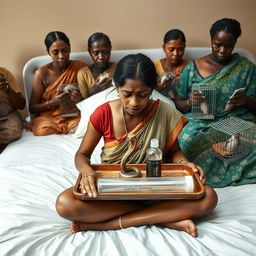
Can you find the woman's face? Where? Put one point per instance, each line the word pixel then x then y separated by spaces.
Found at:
pixel 100 53
pixel 222 46
pixel 134 96
pixel 59 52
pixel 174 50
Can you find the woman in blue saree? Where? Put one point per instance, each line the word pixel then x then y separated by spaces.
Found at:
pixel 226 72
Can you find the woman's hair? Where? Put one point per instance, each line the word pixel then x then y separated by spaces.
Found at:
pixel 227 25
pixel 55 36
pixel 96 37
pixel 174 34
pixel 135 67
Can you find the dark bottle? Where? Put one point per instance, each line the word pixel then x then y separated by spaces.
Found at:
pixel 153 159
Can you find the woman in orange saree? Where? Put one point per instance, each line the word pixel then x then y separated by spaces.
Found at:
pixel 47 92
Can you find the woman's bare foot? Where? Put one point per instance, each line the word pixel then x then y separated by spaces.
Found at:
pixel 75 227
pixel 184 225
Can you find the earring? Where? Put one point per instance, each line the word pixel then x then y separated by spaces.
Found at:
pixel 117 95
pixel 150 97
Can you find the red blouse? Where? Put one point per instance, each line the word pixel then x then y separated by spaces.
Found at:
pixel 102 121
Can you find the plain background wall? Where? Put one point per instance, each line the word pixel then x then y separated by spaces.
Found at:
pixel 130 24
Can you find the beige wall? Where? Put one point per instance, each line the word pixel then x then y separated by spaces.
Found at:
pixel 130 24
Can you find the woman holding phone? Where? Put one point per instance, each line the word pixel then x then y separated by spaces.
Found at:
pixel 234 80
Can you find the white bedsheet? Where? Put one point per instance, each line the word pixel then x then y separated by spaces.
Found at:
pixel 34 170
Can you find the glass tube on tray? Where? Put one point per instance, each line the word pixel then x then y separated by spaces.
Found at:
pixel 156 184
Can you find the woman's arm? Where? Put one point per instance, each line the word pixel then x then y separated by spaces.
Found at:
pixel 6 83
pixel 36 105
pixel 16 99
pixel 82 160
pixel 183 105
pixel 177 156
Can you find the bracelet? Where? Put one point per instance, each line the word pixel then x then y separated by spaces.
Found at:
pixel 188 102
pixel 181 160
pixel 120 222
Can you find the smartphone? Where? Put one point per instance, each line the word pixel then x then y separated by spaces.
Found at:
pixel 237 91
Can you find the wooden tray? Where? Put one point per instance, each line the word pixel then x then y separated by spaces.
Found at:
pixel 168 170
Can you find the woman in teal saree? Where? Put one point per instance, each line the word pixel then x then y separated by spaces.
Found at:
pixel 226 72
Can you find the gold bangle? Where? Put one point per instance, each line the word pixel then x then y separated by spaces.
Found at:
pixel 181 160
pixel 120 222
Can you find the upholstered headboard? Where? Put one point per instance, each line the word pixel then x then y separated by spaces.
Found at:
pixel 191 53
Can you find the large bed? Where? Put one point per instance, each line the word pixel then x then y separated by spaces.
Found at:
pixel 34 170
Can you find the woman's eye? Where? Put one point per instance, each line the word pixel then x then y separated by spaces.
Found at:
pixel 217 45
pixel 55 52
pixel 127 95
pixel 143 95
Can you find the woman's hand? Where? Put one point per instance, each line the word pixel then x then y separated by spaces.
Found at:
pixel 76 95
pixel 87 183
pixel 197 169
pixel 196 97
pixel 165 83
pixel 238 100
pixel 60 96
pixel 4 84
pixel 101 85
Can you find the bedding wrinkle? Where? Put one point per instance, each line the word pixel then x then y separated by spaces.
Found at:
pixel 29 214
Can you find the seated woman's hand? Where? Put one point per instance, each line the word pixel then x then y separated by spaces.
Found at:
pixel 104 83
pixel 196 97
pixel 3 84
pixel 61 95
pixel 76 95
pixel 238 100
pixel 87 183
pixel 165 83
pixel 197 169
pixel 101 85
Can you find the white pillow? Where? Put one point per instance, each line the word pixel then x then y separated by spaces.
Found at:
pixel 88 105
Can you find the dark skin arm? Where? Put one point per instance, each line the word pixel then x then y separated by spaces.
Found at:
pixel 16 99
pixel 242 100
pixel 184 105
pixel 82 160
pixel 176 155
pixel 36 106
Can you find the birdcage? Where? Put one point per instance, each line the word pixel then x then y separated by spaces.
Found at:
pixel 232 139
pixel 204 109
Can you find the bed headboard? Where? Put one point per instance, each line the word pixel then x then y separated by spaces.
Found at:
pixel 191 53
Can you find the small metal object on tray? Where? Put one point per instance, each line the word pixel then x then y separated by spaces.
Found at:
pixel 111 171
